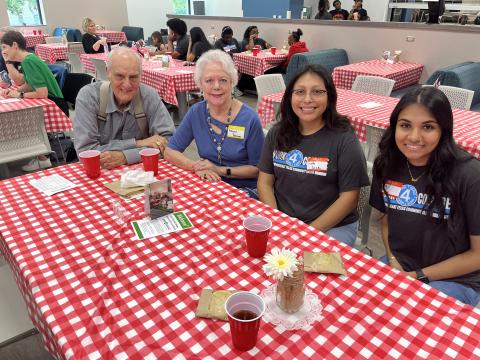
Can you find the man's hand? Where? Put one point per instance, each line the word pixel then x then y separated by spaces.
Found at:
pixel 171 36
pixel 112 159
pixel 155 141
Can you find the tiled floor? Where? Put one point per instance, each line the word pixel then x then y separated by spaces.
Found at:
pixel 17 321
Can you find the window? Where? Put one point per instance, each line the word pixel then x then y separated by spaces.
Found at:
pixel 25 12
pixel 180 7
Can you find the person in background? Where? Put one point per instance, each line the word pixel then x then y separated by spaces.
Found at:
pixel 227 42
pixel 358 13
pixel 251 39
pixel 38 82
pixel 228 133
pixel 312 165
pixel 323 13
pixel 157 42
pixel 120 135
pixel 198 44
pixel 338 13
pixel 92 43
pixel 296 46
pixel 178 33
pixel 429 192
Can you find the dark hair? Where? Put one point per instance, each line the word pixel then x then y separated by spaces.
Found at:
pixel 288 134
pixel 441 161
pixel 12 36
pixel 362 13
pixel 177 26
pixel 198 36
pixel 336 1
pixel 246 35
pixel 158 35
pixel 296 34
pixel 322 4
pixel 226 30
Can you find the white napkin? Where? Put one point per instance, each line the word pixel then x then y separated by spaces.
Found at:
pixel 134 178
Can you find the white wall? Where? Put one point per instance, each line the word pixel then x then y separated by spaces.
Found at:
pixel 149 14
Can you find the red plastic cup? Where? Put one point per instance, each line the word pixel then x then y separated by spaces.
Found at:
pixel 245 311
pixel 150 160
pixel 91 163
pixel 34 32
pixel 255 51
pixel 256 233
pixel 39 32
pixel 273 50
pixel 168 53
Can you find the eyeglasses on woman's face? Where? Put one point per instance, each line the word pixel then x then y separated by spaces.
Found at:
pixel 314 93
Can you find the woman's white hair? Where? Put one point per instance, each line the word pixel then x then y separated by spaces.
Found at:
pixel 219 57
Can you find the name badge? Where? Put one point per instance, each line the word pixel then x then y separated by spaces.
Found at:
pixel 317 164
pixel 236 132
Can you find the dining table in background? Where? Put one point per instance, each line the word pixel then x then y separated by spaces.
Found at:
pixel 404 73
pixel 363 108
pixel 96 291
pixel 34 39
pixel 248 64
pixel 112 35
pixel 55 119
pixel 171 83
pixel 51 53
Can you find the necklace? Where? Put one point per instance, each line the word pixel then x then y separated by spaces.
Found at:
pixel 411 176
pixel 223 135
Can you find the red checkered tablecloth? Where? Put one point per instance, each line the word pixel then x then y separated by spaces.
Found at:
pixel 55 119
pixel 246 63
pixel 466 127
pixel 96 292
pixel 167 81
pixel 404 73
pixel 51 52
pixel 112 36
pixel 34 39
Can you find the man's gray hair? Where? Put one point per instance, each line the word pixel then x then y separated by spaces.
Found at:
pixel 124 51
pixel 219 57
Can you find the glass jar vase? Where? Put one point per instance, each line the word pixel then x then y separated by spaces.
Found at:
pixel 290 292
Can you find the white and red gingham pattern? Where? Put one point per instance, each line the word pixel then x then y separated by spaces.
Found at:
pixel 55 119
pixel 50 53
pixel 466 126
pixel 112 36
pixel 97 293
pixel 167 81
pixel 34 39
pixel 404 73
pixel 248 64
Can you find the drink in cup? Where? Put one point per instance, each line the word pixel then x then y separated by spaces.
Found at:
pixel 273 50
pixel 34 32
pixel 150 160
pixel 245 311
pixel 256 234
pixel 91 163
pixel 255 51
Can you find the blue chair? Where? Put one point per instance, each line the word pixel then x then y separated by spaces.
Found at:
pixel 74 35
pixel 133 33
pixel 329 59
pixel 59 72
pixel 58 31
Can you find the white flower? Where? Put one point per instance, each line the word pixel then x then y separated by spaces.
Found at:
pixel 280 263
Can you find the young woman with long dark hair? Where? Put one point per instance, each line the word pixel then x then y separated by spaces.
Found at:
pixel 428 190
pixel 312 166
pixel 198 44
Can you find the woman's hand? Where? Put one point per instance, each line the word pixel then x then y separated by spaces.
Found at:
pixel 13 94
pixel 208 175
pixel 4 92
pixel 205 165
pixel 395 264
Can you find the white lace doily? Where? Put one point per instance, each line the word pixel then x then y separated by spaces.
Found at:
pixel 310 311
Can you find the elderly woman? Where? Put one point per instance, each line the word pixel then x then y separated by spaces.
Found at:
pixel 228 134
pixel 92 43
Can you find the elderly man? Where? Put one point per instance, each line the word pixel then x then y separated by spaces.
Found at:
pixel 122 116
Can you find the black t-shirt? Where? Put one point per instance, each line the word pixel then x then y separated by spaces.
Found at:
pixel 418 240
pixel 182 47
pixel 257 41
pixel 231 47
pixel 337 13
pixel 199 48
pixel 88 40
pixel 309 178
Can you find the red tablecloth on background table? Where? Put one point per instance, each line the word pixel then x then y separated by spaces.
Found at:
pixel 51 52
pixel 248 64
pixel 404 73
pixel 99 294
pixel 55 119
pixel 34 39
pixel 466 126
pixel 112 36
pixel 167 81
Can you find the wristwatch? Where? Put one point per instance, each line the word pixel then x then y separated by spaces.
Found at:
pixel 421 276
pixel 229 172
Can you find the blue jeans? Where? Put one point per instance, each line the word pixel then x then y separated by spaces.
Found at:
pixel 346 233
pixel 462 293
pixel 251 192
